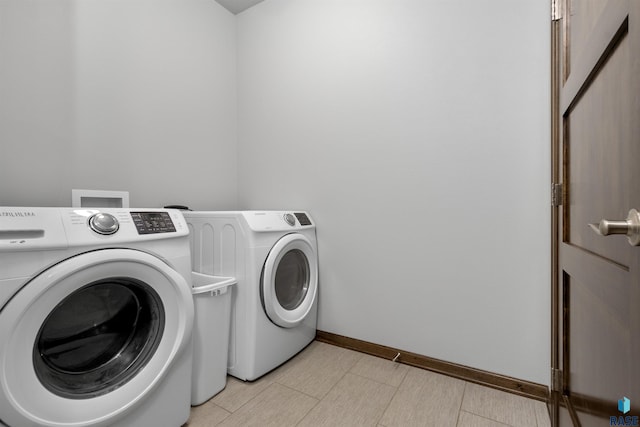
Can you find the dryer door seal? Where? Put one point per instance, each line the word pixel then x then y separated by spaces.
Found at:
pixel 289 283
pixel 44 364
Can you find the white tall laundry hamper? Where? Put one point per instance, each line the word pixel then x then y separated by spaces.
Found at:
pixel 212 303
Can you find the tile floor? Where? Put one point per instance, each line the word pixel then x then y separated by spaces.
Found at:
pixel 327 385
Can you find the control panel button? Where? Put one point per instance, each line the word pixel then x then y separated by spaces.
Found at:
pixel 104 223
pixel 290 219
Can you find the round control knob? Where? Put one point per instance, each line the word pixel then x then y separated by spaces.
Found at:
pixel 104 223
pixel 290 219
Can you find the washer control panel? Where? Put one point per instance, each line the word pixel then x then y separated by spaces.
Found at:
pixel 153 222
pixel 104 223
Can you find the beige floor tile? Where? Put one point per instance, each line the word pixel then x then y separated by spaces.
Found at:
pixel 381 370
pixel 317 369
pixel 499 406
pixel 237 392
pixel 470 420
pixel 277 406
pixel 425 399
pixel 354 401
pixel 206 415
pixel 358 389
pixel 542 414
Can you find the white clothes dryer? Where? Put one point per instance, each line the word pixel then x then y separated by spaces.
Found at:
pixel 96 315
pixel 273 256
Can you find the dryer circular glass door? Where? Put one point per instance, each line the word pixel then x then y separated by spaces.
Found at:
pixel 89 338
pixel 289 283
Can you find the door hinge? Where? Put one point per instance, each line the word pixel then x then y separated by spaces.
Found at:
pixel 556 379
pixel 557 194
pixel 555 10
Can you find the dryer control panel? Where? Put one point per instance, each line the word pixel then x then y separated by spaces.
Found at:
pixel 277 220
pixel 303 219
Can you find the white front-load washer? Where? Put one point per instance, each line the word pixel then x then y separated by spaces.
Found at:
pixel 273 256
pixel 96 315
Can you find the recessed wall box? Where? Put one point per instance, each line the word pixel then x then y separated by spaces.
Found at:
pixel 99 199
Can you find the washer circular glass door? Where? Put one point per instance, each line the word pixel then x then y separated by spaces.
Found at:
pixel 289 283
pixel 89 338
pixel 99 337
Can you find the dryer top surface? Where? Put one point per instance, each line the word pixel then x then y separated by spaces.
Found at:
pixel 277 221
pixel 257 221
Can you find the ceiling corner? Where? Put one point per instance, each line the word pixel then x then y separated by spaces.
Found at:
pixel 237 6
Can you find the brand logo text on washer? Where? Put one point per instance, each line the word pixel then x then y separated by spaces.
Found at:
pixel 17 213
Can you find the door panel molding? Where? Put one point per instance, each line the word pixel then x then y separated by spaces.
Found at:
pixel 610 28
pixel 597 267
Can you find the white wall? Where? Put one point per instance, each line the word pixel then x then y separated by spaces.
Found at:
pixel 415 132
pixel 136 95
pixel 417 135
pixel 36 101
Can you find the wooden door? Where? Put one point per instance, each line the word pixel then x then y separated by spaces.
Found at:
pixel 596 323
